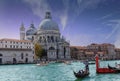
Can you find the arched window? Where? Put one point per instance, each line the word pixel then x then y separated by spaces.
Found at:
pixel 48 38
pixel 51 48
pixel 21 55
pixel 52 38
pixel 55 39
pixel 14 61
pixel 40 39
pixel 26 60
pixel 26 54
pixel 64 52
pixel 32 38
pixel 1 54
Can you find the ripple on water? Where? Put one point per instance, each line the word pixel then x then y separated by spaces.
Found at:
pixel 53 72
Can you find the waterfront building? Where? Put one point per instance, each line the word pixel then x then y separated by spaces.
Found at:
pixel 105 51
pixel 117 50
pixel 49 37
pixel 14 51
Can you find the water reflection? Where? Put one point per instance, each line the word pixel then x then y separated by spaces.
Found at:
pixel 78 80
pixel 53 72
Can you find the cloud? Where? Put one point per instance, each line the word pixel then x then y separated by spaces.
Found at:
pixel 113 32
pixel 117 30
pixel 115 24
pixel 106 16
pixel 109 15
pixel 63 20
pixel 39 7
pixel 80 40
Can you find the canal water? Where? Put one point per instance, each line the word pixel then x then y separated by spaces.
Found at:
pixel 54 72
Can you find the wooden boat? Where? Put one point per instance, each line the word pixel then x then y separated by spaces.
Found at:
pixel 92 62
pixel 114 68
pixel 81 75
pixel 104 70
pixel 110 67
pixel 67 62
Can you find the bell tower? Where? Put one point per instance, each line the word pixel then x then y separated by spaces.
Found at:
pixel 22 32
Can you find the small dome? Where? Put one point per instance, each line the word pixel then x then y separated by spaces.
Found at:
pixel 32 30
pixel 48 23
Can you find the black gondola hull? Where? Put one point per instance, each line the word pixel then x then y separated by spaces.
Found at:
pixel 77 75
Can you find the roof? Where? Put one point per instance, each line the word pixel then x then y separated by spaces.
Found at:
pixel 89 53
pixel 48 23
pixel 14 40
pixel 16 49
pixel 79 47
pixel 32 30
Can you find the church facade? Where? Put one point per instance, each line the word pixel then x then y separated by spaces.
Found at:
pixel 49 37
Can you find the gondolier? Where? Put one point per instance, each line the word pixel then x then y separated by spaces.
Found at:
pixel 81 73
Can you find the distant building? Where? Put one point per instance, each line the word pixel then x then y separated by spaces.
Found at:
pixel 117 50
pixel 14 51
pixel 105 51
pixel 49 37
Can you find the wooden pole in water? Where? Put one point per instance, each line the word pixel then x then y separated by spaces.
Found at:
pixel 97 62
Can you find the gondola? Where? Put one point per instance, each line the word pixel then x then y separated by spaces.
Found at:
pixel 81 75
pixel 90 63
pixel 114 68
pixel 110 67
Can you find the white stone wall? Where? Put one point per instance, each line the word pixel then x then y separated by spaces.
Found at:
pixel 8 56
pixel 14 44
pixel 22 35
pixel 13 48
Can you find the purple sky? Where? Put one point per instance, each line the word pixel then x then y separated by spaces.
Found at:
pixel 81 21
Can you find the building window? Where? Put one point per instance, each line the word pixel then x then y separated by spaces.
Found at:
pixel 26 54
pixel 33 52
pixel 10 46
pixel 16 46
pixel 1 55
pixel 20 46
pixel 51 48
pixel 6 41
pixel 21 42
pixel 21 55
pixel 26 60
pixel 10 41
pixel 6 46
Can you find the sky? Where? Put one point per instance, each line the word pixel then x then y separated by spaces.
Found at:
pixel 81 22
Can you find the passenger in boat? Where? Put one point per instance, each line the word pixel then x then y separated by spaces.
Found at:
pixel 81 72
pixel 117 65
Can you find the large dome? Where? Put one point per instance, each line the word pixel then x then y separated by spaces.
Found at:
pixel 48 23
pixel 31 31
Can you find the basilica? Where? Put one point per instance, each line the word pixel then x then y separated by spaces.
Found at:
pixel 49 37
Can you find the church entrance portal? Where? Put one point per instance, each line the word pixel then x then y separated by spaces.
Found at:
pixel 14 61
pixel 64 52
pixel 26 60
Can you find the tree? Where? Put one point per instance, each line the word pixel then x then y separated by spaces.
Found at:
pixel 39 51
